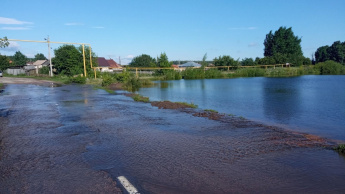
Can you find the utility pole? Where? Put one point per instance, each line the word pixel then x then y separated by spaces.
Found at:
pixel 50 59
pixel 119 60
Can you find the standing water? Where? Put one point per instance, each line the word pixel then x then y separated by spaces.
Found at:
pixel 311 104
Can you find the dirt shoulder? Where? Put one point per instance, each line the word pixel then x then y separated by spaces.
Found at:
pixel 16 80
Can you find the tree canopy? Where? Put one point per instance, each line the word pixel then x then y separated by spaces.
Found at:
pixel 143 61
pixel 68 60
pixel 19 59
pixel 283 46
pixel 4 42
pixel 248 62
pixel 163 61
pixel 225 60
pixel 40 56
pixel 335 52
pixel 4 62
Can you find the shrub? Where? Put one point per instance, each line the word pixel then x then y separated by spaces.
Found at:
pixel 330 68
pixel 213 73
pixel 340 148
pixel 44 70
pixel 250 72
pixel 107 79
pixel 132 83
pixel 77 80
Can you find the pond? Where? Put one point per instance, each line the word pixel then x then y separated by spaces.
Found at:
pixel 312 104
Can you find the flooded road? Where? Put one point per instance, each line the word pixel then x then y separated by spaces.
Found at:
pixel 76 139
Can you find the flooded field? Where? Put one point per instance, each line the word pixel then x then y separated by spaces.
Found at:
pixel 76 139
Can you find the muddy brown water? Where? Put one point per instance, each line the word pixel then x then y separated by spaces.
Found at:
pixel 75 139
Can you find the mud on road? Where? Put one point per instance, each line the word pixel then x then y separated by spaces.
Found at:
pixel 75 139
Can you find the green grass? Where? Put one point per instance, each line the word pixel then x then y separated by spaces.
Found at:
pixel 139 98
pixel 104 88
pixel 211 110
pixel 1 85
pixel 190 105
pixel 340 148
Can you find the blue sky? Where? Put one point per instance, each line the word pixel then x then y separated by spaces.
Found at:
pixel 183 29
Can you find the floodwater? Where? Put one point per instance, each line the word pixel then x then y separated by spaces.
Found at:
pixel 310 104
pixel 76 139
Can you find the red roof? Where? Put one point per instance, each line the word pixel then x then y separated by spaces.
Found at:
pixel 102 62
pixel 113 64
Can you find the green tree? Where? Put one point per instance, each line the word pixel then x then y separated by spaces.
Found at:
pixel 283 45
pixel 40 56
pixel 143 61
pixel 68 60
pixel 335 52
pixel 4 62
pixel 19 59
pixel 321 54
pixel 163 61
pixel 248 62
pixel 4 42
pixel 225 60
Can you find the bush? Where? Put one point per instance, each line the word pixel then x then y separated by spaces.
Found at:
pixel 44 70
pixel 77 80
pixel 107 79
pixel 330 68
pixel 250 72
pixel 213 73
pixel 132 83
pixel 191 73
pixel 340 148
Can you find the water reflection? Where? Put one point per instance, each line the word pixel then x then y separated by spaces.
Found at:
pixel 281 99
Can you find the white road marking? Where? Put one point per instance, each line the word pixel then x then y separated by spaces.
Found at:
pixel 127 185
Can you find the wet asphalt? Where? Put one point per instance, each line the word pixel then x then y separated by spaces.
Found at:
pixel 77 139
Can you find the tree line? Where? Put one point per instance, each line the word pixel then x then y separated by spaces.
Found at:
pixel 280 47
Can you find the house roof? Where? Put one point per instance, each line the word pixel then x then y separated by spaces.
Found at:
pixel 40 62
pixel 190 64
pixel 113 64
pixel 102 62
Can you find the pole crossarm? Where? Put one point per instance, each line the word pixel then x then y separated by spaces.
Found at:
pixel 49 41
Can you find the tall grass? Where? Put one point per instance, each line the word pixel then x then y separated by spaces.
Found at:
pixel 201 73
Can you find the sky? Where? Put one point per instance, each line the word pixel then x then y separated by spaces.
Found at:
pixel 183 29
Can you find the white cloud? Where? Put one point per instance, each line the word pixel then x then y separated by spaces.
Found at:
pixel 4 20
pixel 244 28
pixel 15 28
pixel 13 46
pixel 253 44
pixel 74 24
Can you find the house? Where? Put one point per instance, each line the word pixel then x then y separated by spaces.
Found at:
pixel 40 63
pixel 190 64
pixel 113 64
pixel 108 65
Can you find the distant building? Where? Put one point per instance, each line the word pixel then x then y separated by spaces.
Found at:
pixel 190 64
pixel 108 65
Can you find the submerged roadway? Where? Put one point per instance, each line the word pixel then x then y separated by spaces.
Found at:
pixel 77 139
